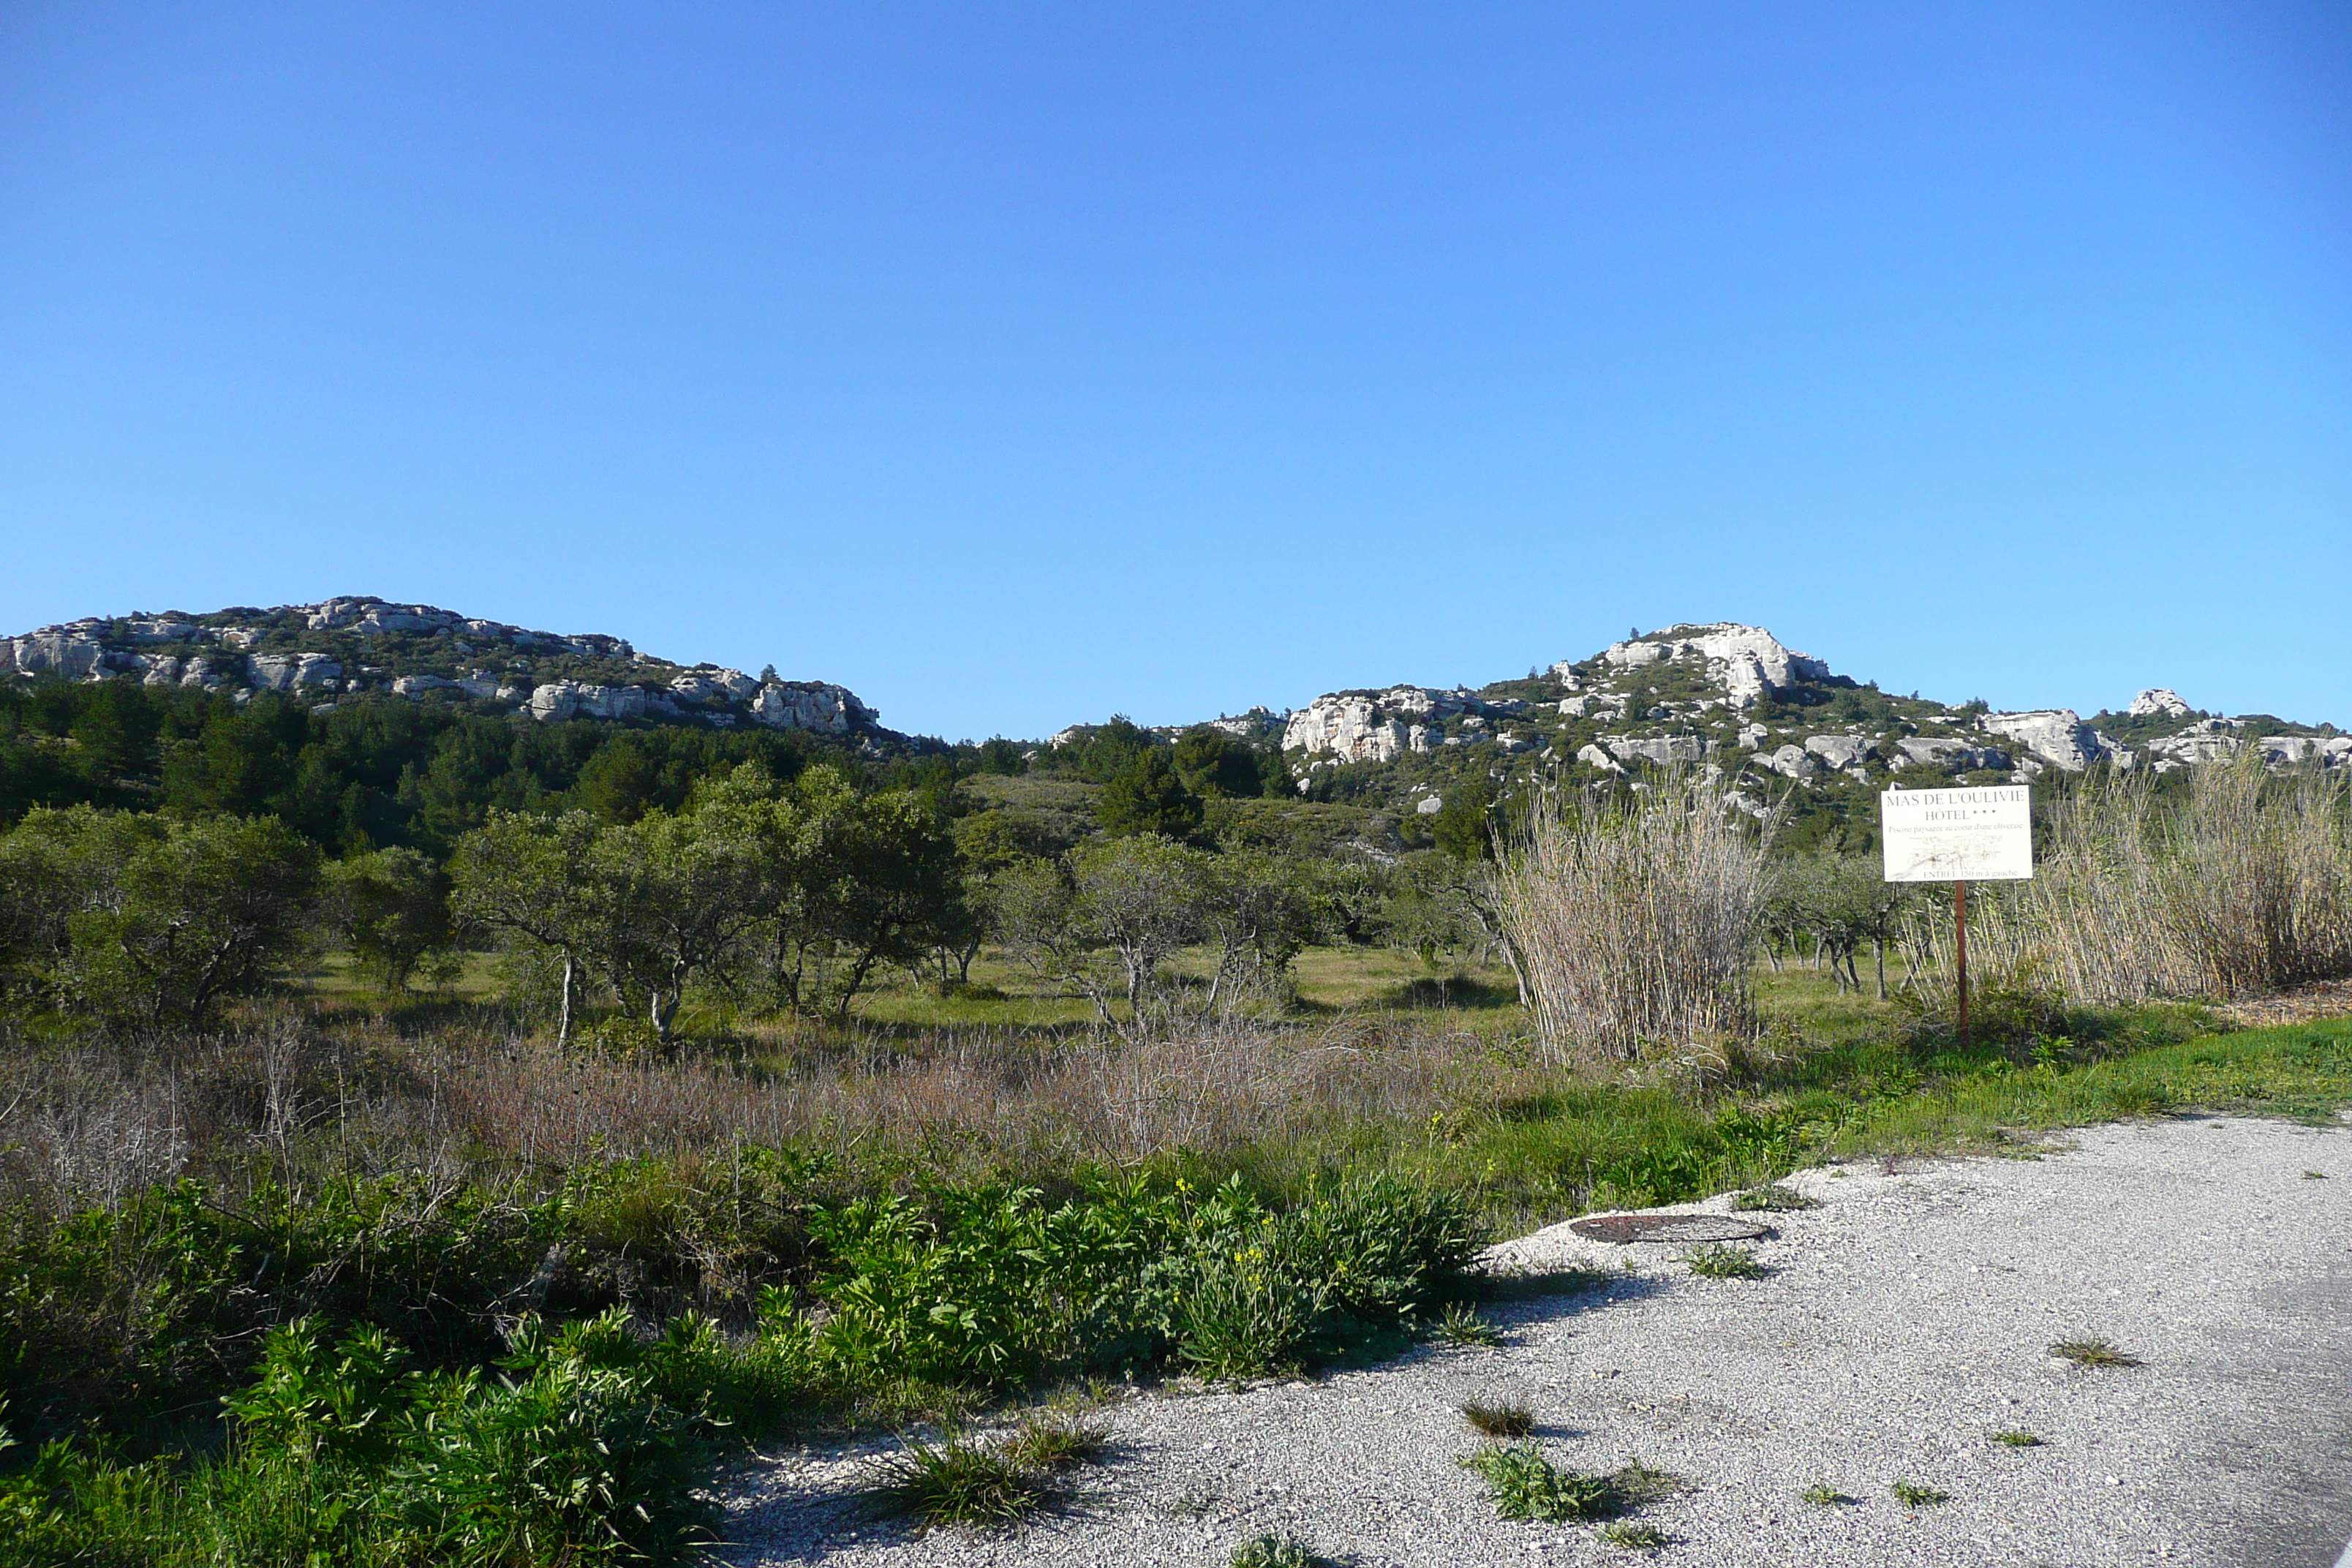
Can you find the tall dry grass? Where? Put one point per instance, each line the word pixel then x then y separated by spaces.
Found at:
pixel 2243 889
pixel 298 1105
pixel 1636 920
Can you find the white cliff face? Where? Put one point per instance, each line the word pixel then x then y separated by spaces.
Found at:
pixel 1748 662
pixel 829 710
pixel 575 699
pixel 290 671
pixel 1350 728
pixel 1357 727
pixel 70 652
pixel 2055 736
pixel 2159 702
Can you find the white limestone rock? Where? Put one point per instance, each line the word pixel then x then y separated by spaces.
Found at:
pixel 1748 662
pixel 2286 751
pixel 1838 750
pixel 1593 756
pixel 1752 736
pixel 292 671
pixel 1257 724
pixel 418 685
pixel 1664 751
pixel 2159 702
pixel 2056 736
pixel 157 629
pixel 819 706
pixel 1793 761
pixel 73 653
pixel 2204 742
pixel 1359 727
pixel 1930 752
pixel 1430 804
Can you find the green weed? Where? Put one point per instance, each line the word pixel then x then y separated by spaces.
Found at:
pixel 1825 1496
pixel 1273 1552
pixel 2017 1439
pixel 2090 1351
pixel 958 1481
pixel 1912 1495
pixel 1525 1486
pixel 1634 1537
pixel 1773 1199
pixel 1717 1261
pixel 1057 1440
pixel 1461 1325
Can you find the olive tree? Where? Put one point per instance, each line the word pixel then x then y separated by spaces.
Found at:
pixel 155 925
pixel 1106 919
pixel 529 880
pixel 390 907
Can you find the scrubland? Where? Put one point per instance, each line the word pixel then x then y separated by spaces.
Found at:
pixel 332 1275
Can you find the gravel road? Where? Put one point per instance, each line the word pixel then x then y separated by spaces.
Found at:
pixel 1904 1320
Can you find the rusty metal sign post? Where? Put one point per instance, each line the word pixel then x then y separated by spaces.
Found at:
pixel 1958 835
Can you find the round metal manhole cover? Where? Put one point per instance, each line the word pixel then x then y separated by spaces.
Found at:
pixel 1621 1229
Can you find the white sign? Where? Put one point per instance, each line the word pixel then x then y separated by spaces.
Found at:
pixel 1957 834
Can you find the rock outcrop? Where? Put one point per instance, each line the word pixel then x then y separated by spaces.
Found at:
pixel 1838 750
pixel 1948 755
pixel 1662 751
pixel 831 709
pixel 2056 736
pixel 2159 702
pixel 291 671
pixel 1748 662
pixel 246 650
pixel 1377 726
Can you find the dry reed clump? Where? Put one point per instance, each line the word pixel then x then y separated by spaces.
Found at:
pixel 1636 921
pixel 2243 889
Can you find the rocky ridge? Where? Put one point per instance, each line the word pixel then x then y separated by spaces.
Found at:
pixel 355 645
pixel 1732 698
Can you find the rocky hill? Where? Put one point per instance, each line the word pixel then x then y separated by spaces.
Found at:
pixel 1734 699
pixel 350 646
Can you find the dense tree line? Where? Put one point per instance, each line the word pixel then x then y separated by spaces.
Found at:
pixel 368 774
pixel 173 850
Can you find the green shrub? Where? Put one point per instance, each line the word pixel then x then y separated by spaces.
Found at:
pixel 1527 1488
pixel 574 1462
pixel 308 1406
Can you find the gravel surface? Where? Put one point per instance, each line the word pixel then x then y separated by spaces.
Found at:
pixel 1904 1322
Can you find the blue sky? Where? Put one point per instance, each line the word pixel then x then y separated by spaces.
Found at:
pixel 1016 364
